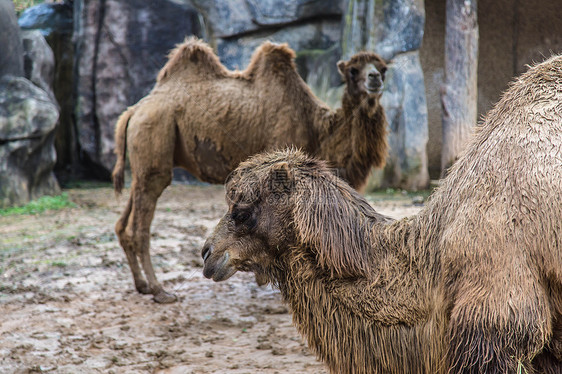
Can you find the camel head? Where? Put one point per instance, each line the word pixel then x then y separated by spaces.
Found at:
pixel 363 74
pixel 284 204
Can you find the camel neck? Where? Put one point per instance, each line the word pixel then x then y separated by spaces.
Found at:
pixel 355 140
pixel 380 323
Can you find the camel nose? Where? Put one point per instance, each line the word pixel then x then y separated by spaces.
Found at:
pixel 206 252
pixel 374 76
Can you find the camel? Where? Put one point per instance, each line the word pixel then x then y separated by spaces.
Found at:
pixel 471 284
pixel 207 119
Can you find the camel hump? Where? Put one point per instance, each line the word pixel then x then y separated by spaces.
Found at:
pixel 271 57
pixel 193 54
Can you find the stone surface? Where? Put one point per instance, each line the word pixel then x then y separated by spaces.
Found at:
pixel 397 27
pixel 49 18
pixel 235 17
pixel 406 110
pixel 27 155
pixel 55 22
pixel 121 46
pixel 11 57
pixel 39 61
pixel 387 27
pixel 319 35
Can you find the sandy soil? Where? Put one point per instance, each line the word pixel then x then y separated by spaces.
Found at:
pixel 67 302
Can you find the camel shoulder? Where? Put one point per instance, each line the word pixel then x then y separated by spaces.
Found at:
pixel 193 54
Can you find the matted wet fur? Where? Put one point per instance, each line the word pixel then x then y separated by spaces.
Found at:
pixel 472 284
pixel 207 119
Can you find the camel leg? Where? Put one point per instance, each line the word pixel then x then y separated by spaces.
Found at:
pixel 145 194
pixel 127 244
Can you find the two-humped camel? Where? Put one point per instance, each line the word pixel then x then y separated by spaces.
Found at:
pixel 207 119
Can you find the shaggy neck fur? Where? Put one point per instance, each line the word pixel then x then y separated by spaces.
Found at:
pixel 382 321
pixel 361 124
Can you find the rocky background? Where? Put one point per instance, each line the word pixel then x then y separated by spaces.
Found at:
pixel 92 59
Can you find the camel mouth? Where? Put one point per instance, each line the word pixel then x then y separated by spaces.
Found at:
pixel 375 88
pixel 220 270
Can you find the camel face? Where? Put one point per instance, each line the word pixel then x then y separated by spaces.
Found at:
pixel 374 80
pixel 253 232
pixel 364 74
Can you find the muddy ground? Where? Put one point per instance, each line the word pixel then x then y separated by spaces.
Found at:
pixel 67 302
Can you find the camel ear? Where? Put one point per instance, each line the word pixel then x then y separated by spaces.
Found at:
pixel 328 223
pixel 341 67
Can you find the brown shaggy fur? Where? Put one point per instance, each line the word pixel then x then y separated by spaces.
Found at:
pixel 472 284
pixel 207 119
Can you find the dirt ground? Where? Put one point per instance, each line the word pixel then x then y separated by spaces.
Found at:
pixel 67 302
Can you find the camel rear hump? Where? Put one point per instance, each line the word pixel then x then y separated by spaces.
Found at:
pixel 192 57
pixel 271 58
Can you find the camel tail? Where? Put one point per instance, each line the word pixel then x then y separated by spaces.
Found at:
pixel 118 174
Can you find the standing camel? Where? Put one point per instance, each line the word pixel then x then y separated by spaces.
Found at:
pixel 207 119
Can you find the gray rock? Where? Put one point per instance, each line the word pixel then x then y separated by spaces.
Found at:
pixel 11 57
pixel 319 69
pixel 231 18
pixel 387 27
pixel 277 12
pixel 406 110
pixel 226 18
pixel 39 61
pixel 55 22
pixel 121 46
pixel 319 35
pixel 398 27
pixel 47 18
pixel 27 155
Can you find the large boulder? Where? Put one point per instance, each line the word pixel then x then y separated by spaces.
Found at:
pixel 39 61
pixel 11 57
pixel 55 22
pixel 27 155
pixel 121 46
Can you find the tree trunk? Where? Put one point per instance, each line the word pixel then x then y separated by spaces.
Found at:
pixel 459 94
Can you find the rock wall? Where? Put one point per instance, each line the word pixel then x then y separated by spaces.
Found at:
pixel 120 47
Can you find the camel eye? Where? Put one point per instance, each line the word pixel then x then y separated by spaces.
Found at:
pixel 243 217
pixel 353 72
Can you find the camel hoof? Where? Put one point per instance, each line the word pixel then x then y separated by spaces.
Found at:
pixel 142 287
pixel 164 297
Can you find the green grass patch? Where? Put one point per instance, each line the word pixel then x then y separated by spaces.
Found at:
pixel 40 205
